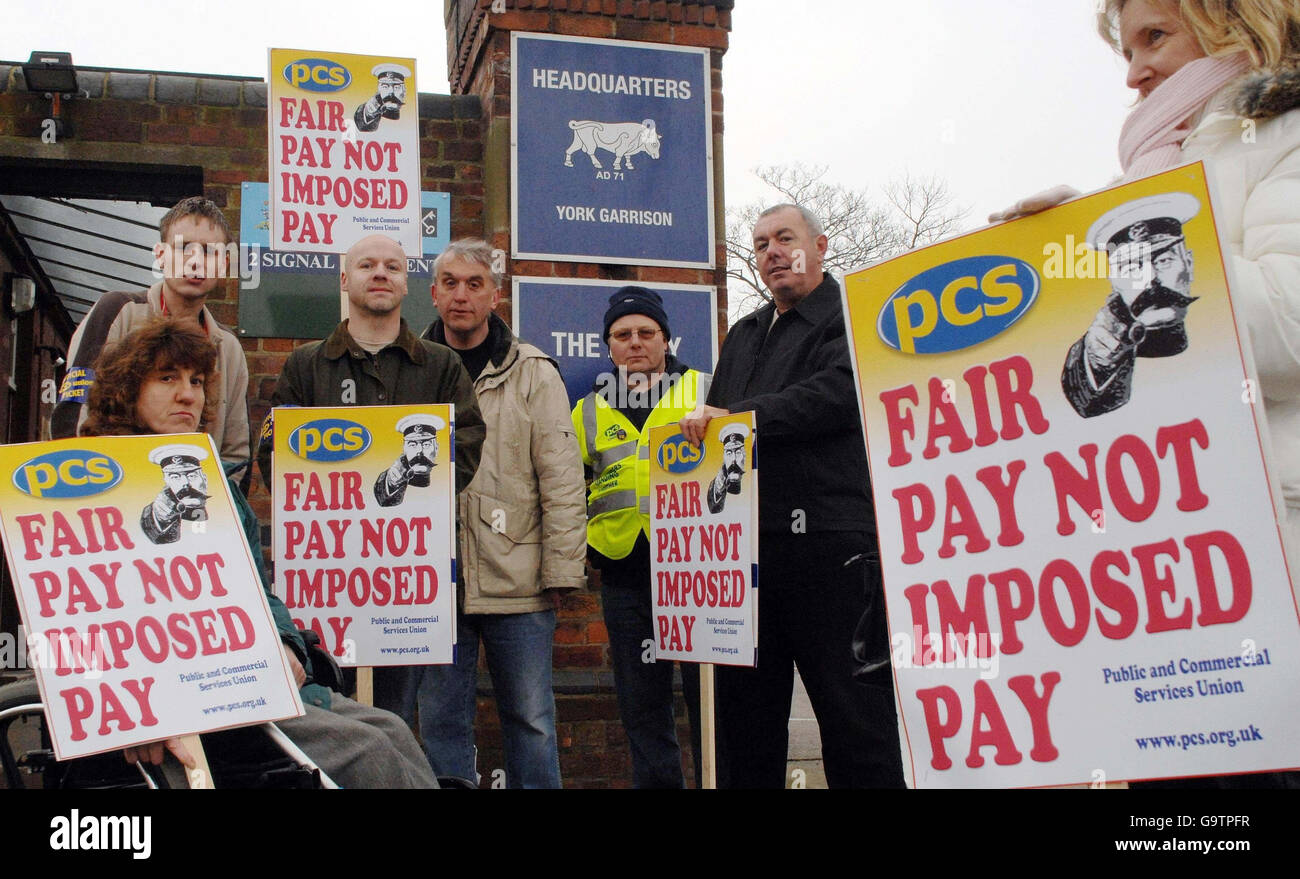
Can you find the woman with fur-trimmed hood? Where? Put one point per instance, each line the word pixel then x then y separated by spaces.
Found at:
pixel 1219 80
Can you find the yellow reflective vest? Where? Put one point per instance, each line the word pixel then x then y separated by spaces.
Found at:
pixel 618 500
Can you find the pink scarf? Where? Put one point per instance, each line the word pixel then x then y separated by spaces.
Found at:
pixel 1152 137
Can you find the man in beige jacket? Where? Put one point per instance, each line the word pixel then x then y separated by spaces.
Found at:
pixel 522 533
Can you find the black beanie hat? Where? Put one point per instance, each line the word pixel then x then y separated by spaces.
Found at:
pixel 636 300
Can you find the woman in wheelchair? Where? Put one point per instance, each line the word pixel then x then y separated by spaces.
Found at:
pixel 162 379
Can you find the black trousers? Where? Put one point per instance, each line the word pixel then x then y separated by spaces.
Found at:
pixel 395 690
pixel 809 605
pixel 645 689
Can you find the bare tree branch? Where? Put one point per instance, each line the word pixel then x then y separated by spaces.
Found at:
pixel 924 209
pixel 859 229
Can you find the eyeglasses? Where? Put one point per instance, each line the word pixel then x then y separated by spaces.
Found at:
pixel 645 334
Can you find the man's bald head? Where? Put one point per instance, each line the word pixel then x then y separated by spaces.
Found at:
pixel 375 240
pixel 374 276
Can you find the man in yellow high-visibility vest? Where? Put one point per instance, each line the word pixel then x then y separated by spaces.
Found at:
pixel 648 388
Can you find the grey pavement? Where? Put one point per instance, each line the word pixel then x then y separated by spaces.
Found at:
pixel 804 757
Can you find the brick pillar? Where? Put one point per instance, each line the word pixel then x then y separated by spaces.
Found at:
pixel 478 42
pixel 593 747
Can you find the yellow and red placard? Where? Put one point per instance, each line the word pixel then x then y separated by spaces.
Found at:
pixel 364 540
pixel 344 150
pixel 144 611
pixel 704 543
pixel 1083 568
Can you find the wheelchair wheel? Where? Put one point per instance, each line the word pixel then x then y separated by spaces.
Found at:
pixel 239 758
pixel 24 746
pixel 27 754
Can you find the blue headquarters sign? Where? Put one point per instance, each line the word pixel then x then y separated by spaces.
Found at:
pixel 565 318
pixel 612 152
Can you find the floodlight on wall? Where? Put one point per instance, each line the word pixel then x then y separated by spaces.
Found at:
pixel 22 295
pixel 52 74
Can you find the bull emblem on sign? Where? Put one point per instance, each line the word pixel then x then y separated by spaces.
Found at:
pixel 623 139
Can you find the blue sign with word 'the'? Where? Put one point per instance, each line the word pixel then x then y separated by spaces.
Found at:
pixel 612 152
pixel 565 317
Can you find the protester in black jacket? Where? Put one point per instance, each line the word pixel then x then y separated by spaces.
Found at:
pixel 818 565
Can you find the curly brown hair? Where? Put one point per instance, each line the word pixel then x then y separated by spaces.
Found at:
pixel 121 371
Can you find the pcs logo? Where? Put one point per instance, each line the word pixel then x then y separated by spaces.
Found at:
pixel 329 439
pixel 317 75
pixel 958 304
pixel 67 473
pixel 677 455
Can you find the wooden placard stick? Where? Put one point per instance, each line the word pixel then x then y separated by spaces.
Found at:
pixel 708 737
pixel 200 777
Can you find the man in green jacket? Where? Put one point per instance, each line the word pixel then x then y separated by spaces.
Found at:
pixel 373 359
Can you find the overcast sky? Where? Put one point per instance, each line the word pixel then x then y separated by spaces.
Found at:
pixel 1000 98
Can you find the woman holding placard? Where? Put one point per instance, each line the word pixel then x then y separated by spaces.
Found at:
pixel 1219 80
pixel 162 379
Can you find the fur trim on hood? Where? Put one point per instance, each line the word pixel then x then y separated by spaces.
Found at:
pixel 1267 94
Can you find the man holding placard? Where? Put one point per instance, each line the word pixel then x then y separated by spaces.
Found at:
pixel 648 388
pixel 788 362
pixel 373 359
